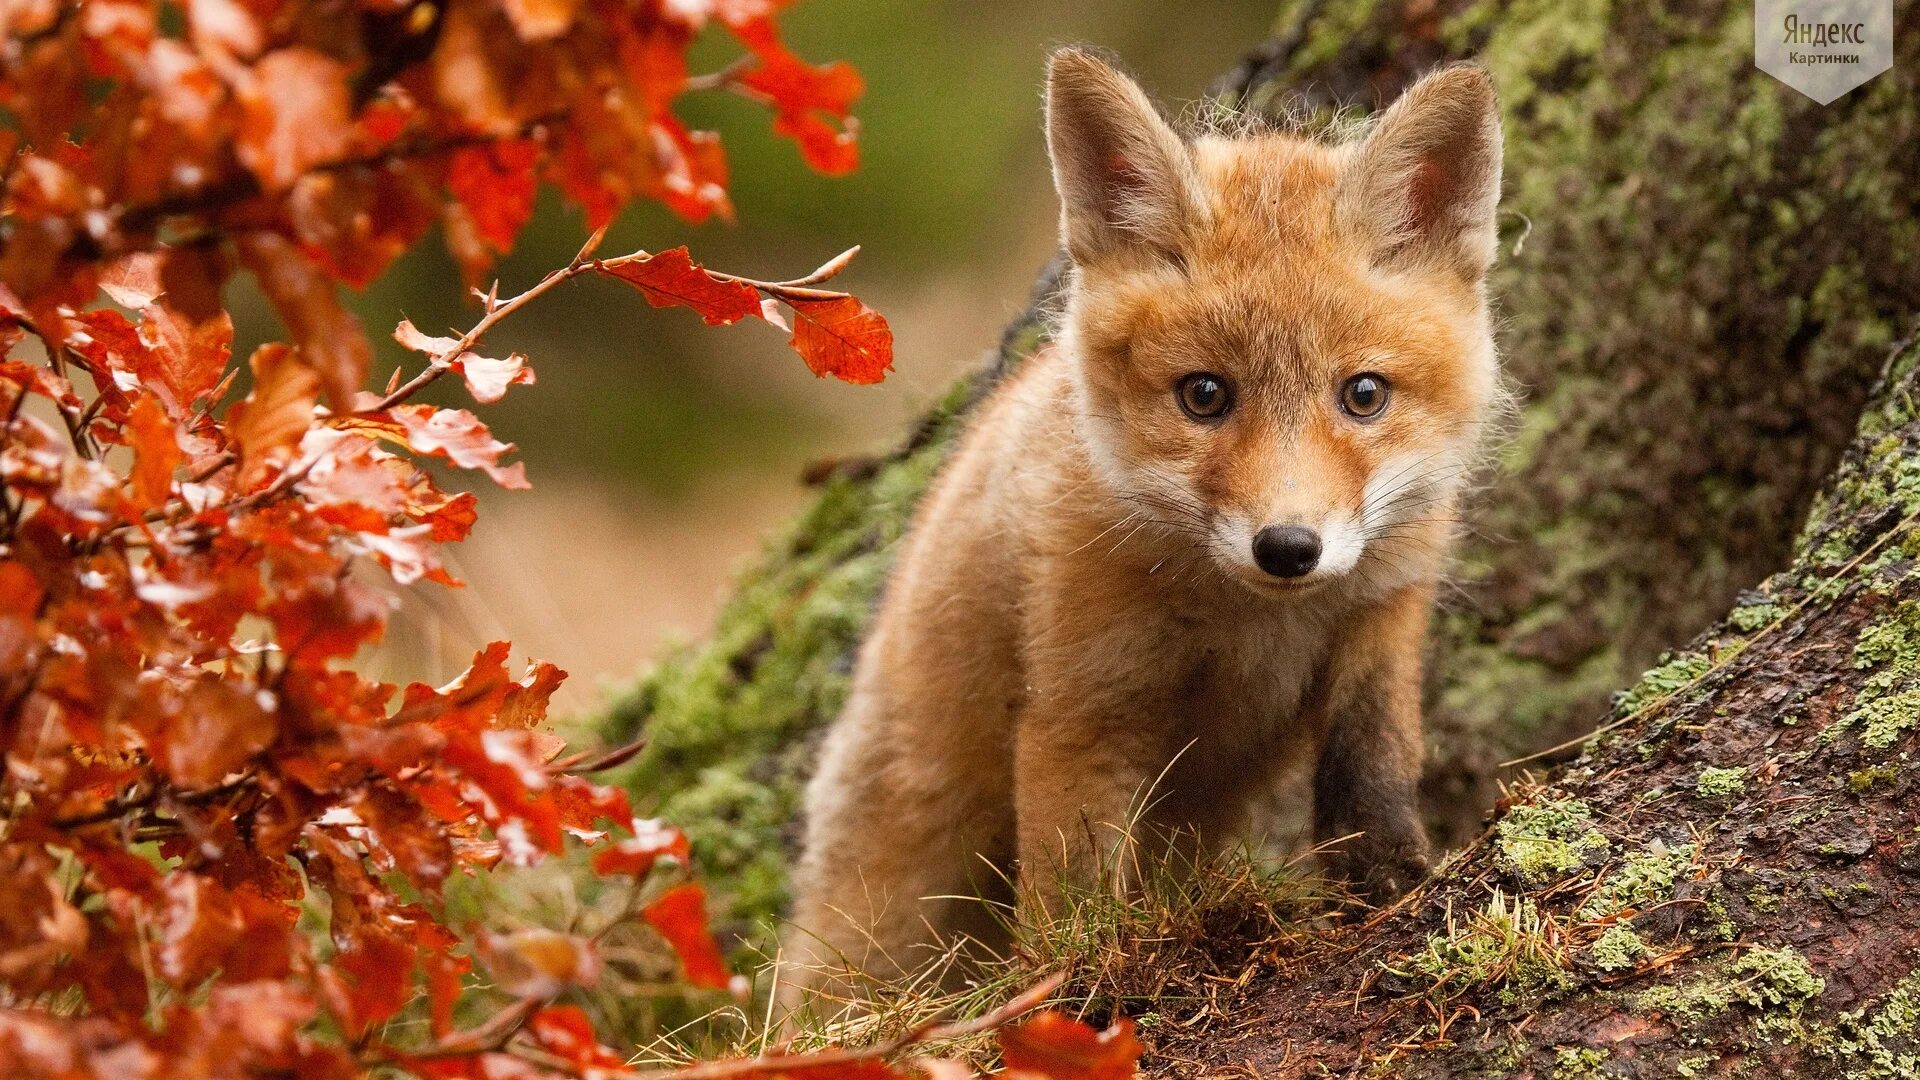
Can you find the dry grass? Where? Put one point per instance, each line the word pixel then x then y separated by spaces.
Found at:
pixel 1160 951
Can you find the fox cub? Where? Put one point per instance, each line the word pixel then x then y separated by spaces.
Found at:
pixel 1189 547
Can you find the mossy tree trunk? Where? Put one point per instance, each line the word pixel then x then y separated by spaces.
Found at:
pixel 1715 271
pixel 1727 883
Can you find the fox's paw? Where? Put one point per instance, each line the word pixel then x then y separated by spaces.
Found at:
pixel 1380 873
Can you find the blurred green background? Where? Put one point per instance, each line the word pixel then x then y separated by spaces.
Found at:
pixel 662 451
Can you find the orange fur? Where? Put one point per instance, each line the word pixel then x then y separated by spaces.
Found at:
pixel 1078 611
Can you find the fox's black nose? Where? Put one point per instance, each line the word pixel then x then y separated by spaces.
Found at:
pixel 1286 551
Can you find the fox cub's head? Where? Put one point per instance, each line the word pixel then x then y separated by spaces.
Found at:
pixel 1283 344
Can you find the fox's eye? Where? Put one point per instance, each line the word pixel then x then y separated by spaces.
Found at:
pixel 1203 396
pixel 1364 396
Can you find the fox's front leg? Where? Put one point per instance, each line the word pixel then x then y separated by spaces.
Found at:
pixel 1078 785
pixel 1366 788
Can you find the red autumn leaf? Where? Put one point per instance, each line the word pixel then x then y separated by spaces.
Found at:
pixel 326 619
pixel 330 339
pixel 444 971
pixel 206 731
pixel 840 336
pixel 403 836
pixel 378 974
pixel 1059 1047
pixel 525 703
pixel 41 381
pixel 296 113
pixel 408 554
pixel 599 190
pixel 672 279
pixel 469 703
pixel 493 187
pixel 353 222
pixel 268 425
pixel 691 171
pixel 565 1032
pixel 354 483
pixel 637 856
pixel 451 517
pixel 828 149
pixel 505 772
pixel 792 83
pixel 583 804
pixel 201 927
pixel 680 915
pixel 458 436
pixel 803 95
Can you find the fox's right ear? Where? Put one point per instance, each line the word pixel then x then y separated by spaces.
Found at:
pixel 1126 181
pixel 1425 185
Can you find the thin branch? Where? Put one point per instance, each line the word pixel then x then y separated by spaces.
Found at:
pixel 723 78
pixel 125 804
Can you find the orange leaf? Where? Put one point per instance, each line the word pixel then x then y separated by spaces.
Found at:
pixel 268 425
pixel 329 337
pixel 1061 1048
pixel 672 279
pixel 296 112
pixel 156 453
pixel 541 20
pixel 842 337
pixel 542 963
pixel 458 436
pixel 680 914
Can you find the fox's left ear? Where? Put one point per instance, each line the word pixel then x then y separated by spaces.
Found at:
pixel 1422 189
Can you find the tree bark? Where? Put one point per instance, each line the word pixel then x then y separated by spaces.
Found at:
pixel 1705 272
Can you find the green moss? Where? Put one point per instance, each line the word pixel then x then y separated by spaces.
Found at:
pixel 1772 982
pixel 1748 618
pixel 1619 949
pixel 1776 979
pixel 1894 638
pixel 1672 675
pixel 1542 842
pixel 1862 781
pixel 1646 878
pixel 1720 783
pixel 1507 948
pixel 1884 720
pixel 1879 1042
pixel 1887 706
pixel 1576 1062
